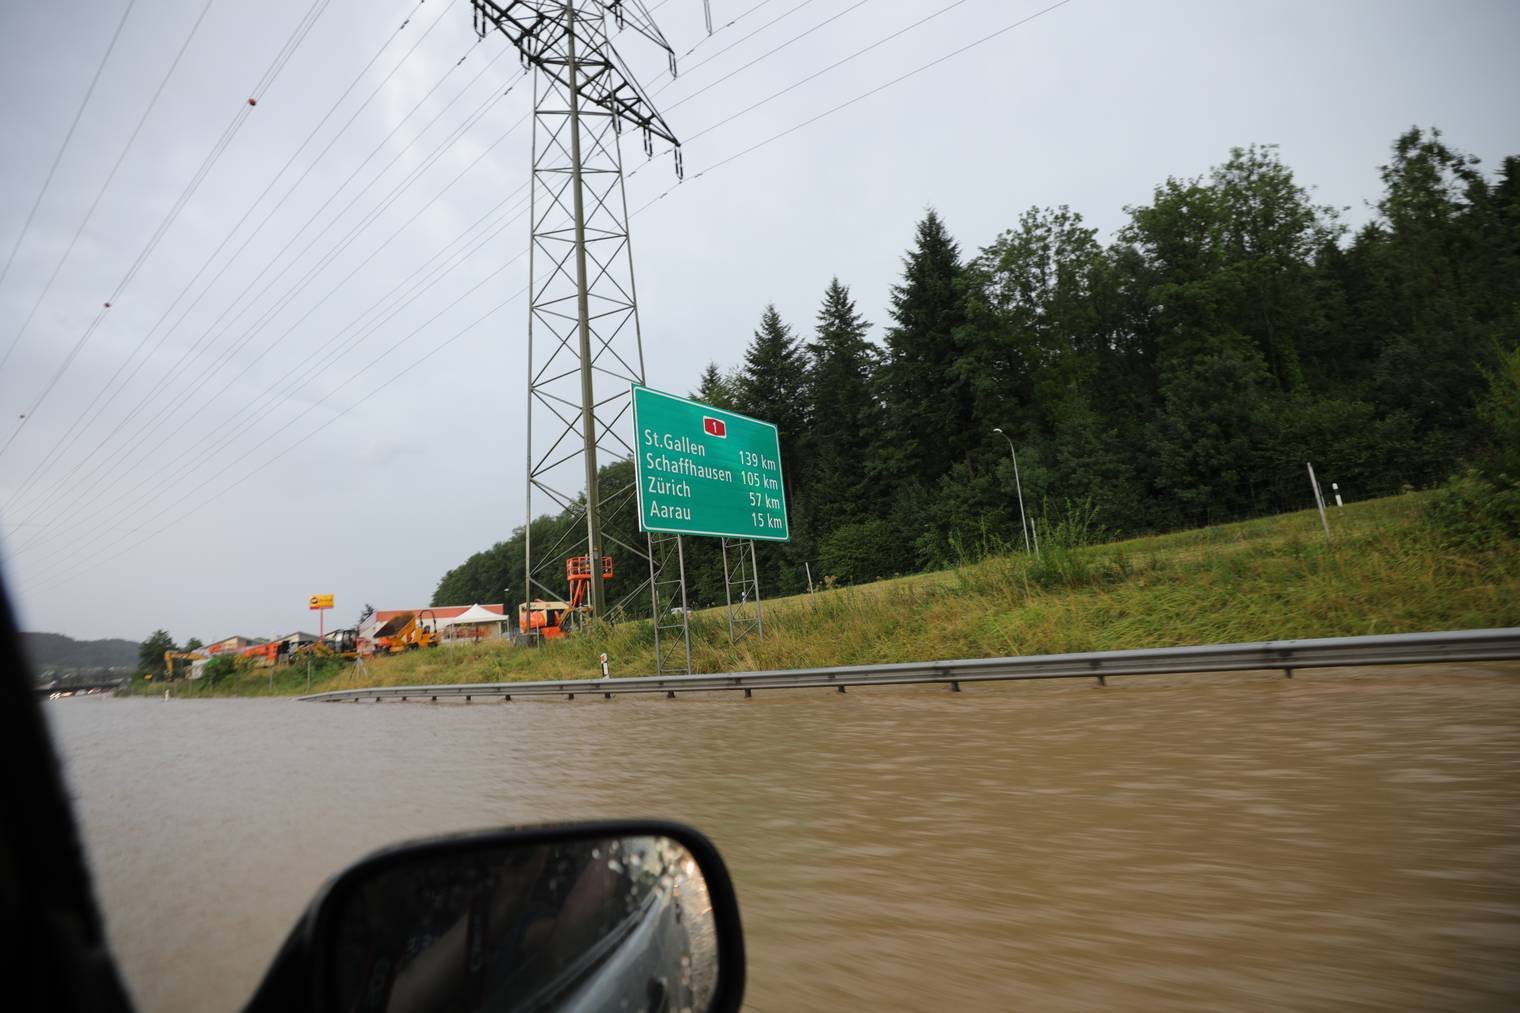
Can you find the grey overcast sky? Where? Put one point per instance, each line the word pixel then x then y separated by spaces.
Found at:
pixel 110 532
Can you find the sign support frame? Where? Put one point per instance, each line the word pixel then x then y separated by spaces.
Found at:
pixel 672 635
pixel 743 575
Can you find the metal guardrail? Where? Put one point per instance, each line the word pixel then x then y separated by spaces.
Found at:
pixel 1286 656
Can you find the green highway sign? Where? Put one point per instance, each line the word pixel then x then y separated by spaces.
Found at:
pixel 704 471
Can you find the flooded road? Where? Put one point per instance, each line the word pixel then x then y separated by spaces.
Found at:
pixel 1246 842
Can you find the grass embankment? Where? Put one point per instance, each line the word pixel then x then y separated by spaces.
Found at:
pixel 1273 578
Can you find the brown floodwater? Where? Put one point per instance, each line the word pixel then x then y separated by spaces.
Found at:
pixel 1341 840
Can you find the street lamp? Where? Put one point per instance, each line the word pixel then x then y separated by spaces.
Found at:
pixel 1023 523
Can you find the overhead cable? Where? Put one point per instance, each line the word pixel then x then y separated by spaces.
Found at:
pixel 67 137
pixel 110 176
pixel 298 35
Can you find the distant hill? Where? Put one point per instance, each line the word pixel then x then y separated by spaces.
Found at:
pixel 54 650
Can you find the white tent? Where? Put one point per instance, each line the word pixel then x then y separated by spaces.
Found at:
pixel 475 617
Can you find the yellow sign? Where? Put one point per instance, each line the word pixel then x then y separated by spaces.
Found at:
pixel 319 601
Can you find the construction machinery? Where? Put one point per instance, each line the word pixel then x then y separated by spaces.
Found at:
pixel 334 644
pixel 542 618
pixel 189 657
pixel 341 643
pixel 407 631
pixel 268 654
pixel 551 620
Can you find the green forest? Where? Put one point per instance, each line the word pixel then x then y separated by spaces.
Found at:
pixel 1176 376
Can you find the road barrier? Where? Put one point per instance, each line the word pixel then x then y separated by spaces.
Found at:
pixel 1286 656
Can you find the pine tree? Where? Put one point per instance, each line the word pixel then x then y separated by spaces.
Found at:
pixel 716 389
pixel 770 384
pixel 844 411
pixel 928 424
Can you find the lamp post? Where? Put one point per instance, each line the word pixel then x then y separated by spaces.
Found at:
pixel 1023 523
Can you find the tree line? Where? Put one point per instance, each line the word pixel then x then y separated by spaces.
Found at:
pixel 1179 374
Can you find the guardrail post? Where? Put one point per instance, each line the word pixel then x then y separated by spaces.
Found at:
pixel 435 699
pixel 955 687
pixel 748 693
pixel 670 694
pixel 570 696
pixel 839 689
pixel 1102 681
pixel 507 698
pixel 467 698
pixel 606 696
pixel 1288 672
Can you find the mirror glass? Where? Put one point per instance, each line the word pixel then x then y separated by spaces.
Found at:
pixel 585 924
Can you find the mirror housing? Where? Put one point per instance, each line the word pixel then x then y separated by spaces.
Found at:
pixel 562 916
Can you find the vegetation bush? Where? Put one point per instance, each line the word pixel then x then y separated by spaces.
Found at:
pixel 863 551
pixel 220 668
pixel 1476 512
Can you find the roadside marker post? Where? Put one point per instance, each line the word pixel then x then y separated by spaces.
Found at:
pixel 1319 500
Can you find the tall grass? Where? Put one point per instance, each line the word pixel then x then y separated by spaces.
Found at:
pixel 1387 571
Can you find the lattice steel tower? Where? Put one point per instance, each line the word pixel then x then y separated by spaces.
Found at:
pixel 585 348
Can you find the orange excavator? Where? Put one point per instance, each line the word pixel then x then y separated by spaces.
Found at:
pixel 549 619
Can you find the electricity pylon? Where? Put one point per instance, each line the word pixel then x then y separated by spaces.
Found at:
pixel 585 349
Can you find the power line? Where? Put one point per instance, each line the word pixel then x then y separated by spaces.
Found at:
pixel 729 24
pixel 732 45
pixel 110 176
pixel 48 181
pixel 327 260
pixel 329 355
pixel 298 35
pixel 122 459
pixel 255 470
pixel 59 448
pixel 772 52
pixel 819 73
pixel 55 454
pixel 863 96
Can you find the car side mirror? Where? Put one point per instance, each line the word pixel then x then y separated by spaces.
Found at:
pixel 598 916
